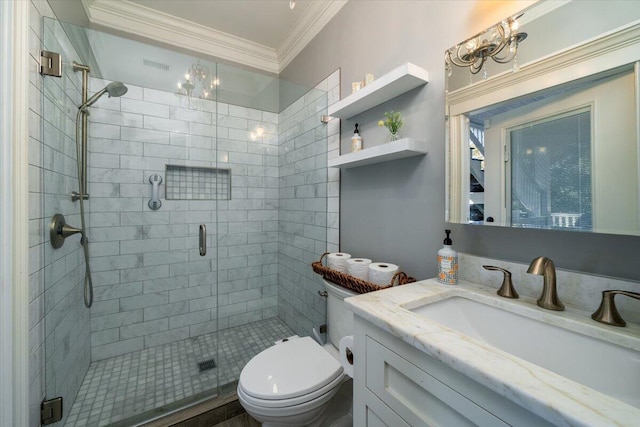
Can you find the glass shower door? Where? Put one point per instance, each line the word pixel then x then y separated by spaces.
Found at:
pixel 275 221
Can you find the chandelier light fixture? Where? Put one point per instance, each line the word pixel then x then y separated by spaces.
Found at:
pixel 198 82
pixel 499 42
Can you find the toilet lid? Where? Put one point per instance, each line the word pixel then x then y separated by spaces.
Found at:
pixel 288 370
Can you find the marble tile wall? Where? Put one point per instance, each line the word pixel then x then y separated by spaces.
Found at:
pixel 308 205
pixel 58 319
pixel 579 290
pixel 152 287
pixel 248 223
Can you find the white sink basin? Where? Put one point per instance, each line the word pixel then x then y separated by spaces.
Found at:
pixel 608 368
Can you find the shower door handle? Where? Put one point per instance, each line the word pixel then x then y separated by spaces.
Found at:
pixel 203 240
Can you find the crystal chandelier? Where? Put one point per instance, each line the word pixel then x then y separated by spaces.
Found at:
pixel 499 42
pixel 198 82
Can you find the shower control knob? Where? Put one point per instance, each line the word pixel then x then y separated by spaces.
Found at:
pixel 59 230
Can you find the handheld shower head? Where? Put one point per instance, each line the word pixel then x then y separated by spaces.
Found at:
pixel 116 89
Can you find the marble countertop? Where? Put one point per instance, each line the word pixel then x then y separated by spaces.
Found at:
pixel 553 397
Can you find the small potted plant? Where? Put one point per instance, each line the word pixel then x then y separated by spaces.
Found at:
pixel 393 122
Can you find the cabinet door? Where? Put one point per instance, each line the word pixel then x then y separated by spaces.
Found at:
pixel 380 415
pixel 416 396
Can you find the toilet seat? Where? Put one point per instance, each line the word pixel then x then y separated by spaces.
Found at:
pixel 293 402
pixel 309 373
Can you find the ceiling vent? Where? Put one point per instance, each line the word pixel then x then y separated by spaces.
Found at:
pixel 154 64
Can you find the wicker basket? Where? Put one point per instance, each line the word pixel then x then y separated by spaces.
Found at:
pixel 357 285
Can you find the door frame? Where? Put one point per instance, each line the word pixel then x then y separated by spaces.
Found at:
pixel 14 213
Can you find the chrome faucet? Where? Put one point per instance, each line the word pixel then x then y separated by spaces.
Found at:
pixel 607 312
pixel 543 266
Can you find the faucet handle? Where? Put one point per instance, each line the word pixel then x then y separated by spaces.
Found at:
pixel 506 290
pixel 607 313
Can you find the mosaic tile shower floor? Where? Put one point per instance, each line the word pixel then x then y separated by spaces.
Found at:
pixel 120 387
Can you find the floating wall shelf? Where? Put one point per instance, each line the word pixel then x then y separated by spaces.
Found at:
pixel 405 147
pixel 400 80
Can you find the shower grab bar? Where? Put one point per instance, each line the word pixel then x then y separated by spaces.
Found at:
pixel 154 202
pixel 203 240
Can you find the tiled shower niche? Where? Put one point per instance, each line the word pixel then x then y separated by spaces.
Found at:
pixel 197 183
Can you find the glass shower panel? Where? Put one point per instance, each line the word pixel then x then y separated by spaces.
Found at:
pixel 66 351
pixel 148 342
pixel 303 210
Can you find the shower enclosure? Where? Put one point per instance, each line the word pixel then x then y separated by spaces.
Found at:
pixel 207 188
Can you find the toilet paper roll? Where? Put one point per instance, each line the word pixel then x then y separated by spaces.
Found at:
pixel 346 354
pixel 338 261
pixel 358 267
pixel 381 273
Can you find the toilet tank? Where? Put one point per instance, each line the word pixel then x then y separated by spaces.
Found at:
pixel 339 317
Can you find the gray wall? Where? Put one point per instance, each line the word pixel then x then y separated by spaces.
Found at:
pixel 395 211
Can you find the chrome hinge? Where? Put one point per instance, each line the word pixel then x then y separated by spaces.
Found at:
pixel 50 63
pixel 325 118
pixel 51 411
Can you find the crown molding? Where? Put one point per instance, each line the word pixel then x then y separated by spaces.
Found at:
pixel 146 22
pixel 315 17
pixel 143 21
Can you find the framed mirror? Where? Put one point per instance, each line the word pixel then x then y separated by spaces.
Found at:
pixel 542 118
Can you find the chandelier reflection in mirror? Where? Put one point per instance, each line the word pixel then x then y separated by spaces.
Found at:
pixel 198 82
pixel 499 42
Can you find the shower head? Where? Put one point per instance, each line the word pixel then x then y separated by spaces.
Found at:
pixel 116 89
pixel 112 89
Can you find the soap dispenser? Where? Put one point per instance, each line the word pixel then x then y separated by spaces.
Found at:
pixel 448 262
pixel 356 141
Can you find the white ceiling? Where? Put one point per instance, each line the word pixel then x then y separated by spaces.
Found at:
pixel 263 34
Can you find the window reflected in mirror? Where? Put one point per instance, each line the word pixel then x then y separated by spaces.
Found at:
pixel 548 172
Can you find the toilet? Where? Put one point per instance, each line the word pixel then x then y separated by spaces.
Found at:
pixel 292 383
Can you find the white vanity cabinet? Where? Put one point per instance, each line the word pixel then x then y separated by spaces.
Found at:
pixel 396 384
